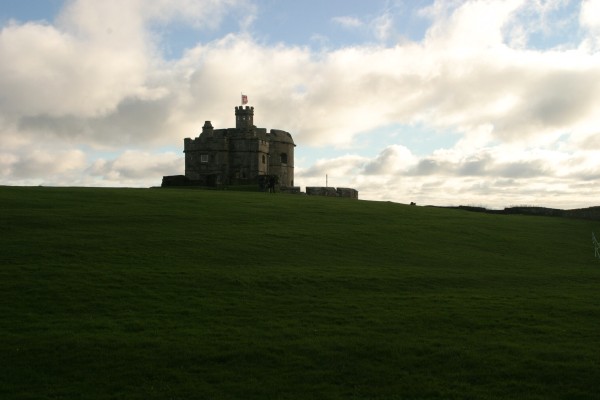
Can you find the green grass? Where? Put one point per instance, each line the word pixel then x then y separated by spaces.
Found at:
pixel 185 294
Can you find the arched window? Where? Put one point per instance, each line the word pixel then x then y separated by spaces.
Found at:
pixel 283 158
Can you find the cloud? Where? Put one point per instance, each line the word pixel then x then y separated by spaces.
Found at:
pixel 490 162
pixel 591 142
pixel 133 122
pixel 41 164
pixel 99 56
pixel 589 15
pixel 383 27
pixel 393 159
pixel 472 25
pixel 348 165
pixel 135 166
pixel 53 73
pixel 347 21
pixel 590 21
pixel 380 27
pixel 345 92
pixel 495 177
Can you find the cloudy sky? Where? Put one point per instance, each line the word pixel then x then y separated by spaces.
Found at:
pixel 472 102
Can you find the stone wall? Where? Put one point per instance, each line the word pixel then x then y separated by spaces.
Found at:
pixel 331 192
pixel 290 189
pixel 174 180
pixel 347 192
pixel 321 191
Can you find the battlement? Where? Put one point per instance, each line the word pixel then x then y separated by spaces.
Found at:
pixel 242 109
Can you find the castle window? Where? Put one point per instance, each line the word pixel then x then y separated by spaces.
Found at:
pixel 203 158
pixel 283 158
pixel 263 159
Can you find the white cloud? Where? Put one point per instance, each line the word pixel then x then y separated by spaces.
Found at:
pixel 392 160
pixel 133 167
pixel 383 27
pixel 589 19
pixel 38 163
pixel 474 26
pixel 53 73
pixel 483 186
pixel 339 167
pixel 518 92
pixel 98 55
pixel 347 21
pixel 589 16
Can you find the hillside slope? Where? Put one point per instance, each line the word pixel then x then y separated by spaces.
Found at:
pixel 148 293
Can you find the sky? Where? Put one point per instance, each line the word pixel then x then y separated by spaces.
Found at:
pixel 457 102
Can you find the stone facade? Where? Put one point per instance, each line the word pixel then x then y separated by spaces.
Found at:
pixel 347 192
pixel 242 155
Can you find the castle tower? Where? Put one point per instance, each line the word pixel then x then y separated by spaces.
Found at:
pixel 244 117
pixel 207 129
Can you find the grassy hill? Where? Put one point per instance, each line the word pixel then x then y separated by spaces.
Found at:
pixel 185 294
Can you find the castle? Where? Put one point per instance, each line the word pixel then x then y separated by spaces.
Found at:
pixel 244 155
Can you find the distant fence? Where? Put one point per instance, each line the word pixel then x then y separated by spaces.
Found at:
pixel 596 246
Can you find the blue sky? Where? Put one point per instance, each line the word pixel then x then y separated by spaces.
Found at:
pixel 306 23
pixel 450 102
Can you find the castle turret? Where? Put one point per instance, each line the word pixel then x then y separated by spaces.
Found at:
pixel 207 128
pixel 244 117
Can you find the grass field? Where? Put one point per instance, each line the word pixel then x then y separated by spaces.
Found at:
pixel 192 294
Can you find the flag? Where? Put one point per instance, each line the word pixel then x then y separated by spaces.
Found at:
pixel 244 99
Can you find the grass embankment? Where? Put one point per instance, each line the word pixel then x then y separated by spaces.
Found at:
pixel 179 294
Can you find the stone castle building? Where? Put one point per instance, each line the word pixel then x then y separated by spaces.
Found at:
pixel 243 155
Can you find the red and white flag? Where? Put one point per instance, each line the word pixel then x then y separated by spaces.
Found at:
pixel 244 99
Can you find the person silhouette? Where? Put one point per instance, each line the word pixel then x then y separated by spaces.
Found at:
pixel 272 184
